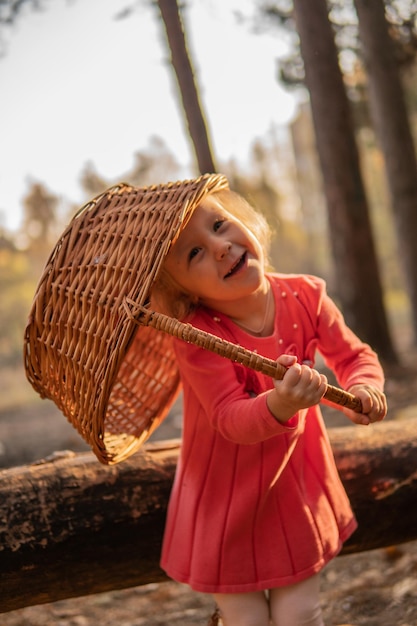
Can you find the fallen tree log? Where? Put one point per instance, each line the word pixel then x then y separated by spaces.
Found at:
pixel 70 526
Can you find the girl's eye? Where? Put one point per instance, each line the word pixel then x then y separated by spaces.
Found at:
pixel 193 253
pixel 217 224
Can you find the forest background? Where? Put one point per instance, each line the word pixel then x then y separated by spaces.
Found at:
pixel 340 191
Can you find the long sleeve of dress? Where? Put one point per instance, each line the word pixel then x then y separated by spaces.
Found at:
pixel 230 408
pixel 350 359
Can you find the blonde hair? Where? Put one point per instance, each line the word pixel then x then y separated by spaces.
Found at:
pixel 168 297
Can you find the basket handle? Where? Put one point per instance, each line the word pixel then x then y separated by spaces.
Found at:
pixel 145 317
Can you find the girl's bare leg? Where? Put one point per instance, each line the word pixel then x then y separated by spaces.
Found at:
pixel 297 605
pixel 243 609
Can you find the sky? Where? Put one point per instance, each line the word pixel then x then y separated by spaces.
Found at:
pixel 79 86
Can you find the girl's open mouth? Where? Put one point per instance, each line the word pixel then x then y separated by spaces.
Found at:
pixel 237 266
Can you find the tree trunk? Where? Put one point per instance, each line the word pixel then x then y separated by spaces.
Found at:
pixel 72 526
pixel 356 266
pixel 181 63
pixel 389 114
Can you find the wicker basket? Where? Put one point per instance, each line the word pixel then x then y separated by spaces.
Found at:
pixel 81 348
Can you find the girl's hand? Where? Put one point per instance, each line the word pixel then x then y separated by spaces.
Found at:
pixel 374 405
pixel 300 388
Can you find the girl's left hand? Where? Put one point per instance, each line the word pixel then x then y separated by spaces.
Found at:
pixel 374 405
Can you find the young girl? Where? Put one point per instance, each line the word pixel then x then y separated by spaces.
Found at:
pixel 257 508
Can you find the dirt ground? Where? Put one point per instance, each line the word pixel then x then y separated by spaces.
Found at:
pixel 376 588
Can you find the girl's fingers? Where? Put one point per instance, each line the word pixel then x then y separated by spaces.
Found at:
pixel 374 403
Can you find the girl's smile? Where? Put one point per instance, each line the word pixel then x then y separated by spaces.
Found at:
pixel 237 266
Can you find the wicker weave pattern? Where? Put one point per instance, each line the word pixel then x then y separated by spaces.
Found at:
pixel 82 348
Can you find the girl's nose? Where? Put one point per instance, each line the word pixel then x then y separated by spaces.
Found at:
pixel 222 249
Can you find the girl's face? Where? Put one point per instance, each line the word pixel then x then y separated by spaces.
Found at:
pixel 216 258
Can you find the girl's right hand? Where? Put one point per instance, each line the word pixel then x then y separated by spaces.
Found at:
pixel 300 388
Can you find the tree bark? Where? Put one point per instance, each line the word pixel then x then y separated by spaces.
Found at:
pixel 73 527
pixel 357 273
pixel 181 62
pixel 390 117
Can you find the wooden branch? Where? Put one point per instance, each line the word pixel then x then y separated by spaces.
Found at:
pixel 70 526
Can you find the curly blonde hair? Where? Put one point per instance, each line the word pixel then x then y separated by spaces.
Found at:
pixel 170 298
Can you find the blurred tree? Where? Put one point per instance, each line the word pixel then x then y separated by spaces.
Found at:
pixel 154 163
pixel 39 220
pixel 390 117
pixel 92 182
pixel 10 11
pixel 182 65
pixel 39 212
pixel 151 164
pixel 352 243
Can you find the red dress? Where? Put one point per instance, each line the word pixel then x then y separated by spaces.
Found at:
pixel 256 504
